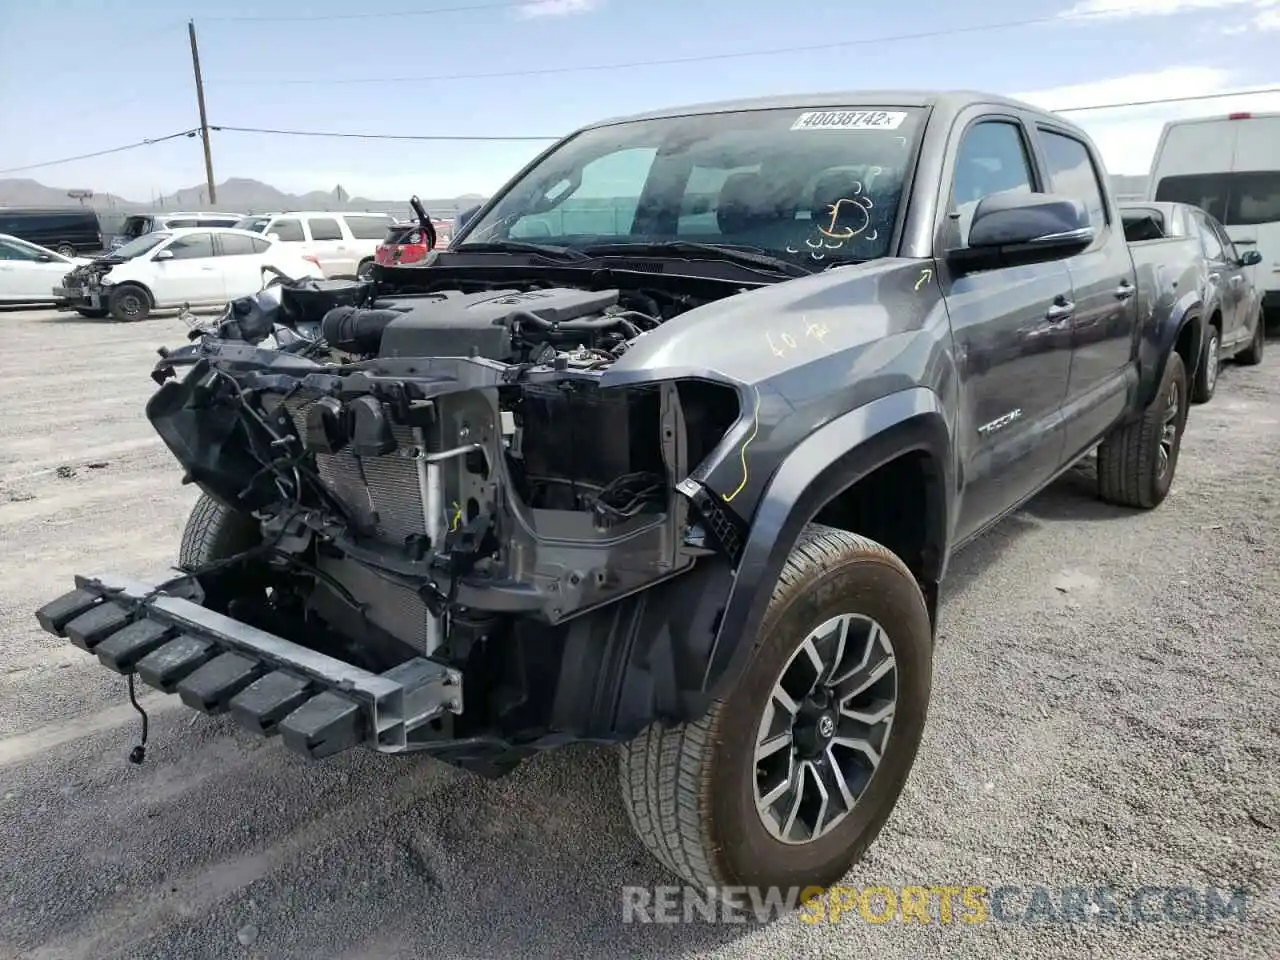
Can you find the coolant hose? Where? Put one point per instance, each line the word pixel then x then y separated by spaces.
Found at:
pixel 354 330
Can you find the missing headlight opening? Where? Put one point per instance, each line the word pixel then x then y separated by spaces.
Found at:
pixel 444 472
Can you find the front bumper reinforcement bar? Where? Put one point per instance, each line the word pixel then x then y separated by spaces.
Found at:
pixel 319 705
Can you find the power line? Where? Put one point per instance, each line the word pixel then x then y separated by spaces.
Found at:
pixel 1163 100
pixel 103 153
pixel 677 61
pixel 515 139
pixel 377 136
pixel 378 15
pixel 466 139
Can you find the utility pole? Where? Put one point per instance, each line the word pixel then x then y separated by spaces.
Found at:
pixel 204 118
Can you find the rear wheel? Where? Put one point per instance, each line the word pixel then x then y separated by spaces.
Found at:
pixel 365 270
pixel 789 779
pixel 1207 372
pixel 66 250
pixel 129 302
pixel 1137 461
pixel 1252 354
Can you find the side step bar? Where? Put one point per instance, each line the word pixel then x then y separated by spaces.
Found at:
pixel 319 705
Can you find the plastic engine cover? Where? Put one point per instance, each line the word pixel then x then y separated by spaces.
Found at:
pixel 454 324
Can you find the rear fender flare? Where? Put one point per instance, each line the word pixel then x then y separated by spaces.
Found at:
pixel 1161 338
pixel 827 462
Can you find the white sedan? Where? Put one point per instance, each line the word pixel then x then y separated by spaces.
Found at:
pixel 28 273
pixel 199 266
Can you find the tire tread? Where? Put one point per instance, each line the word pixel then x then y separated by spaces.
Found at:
pixel 665 773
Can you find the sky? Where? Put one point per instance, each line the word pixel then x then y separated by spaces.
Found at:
pixel 78 76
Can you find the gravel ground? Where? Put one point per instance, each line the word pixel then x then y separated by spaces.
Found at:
pixel 1105 713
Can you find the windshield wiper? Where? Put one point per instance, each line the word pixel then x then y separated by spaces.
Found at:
pixel 519 246
pixel 747 257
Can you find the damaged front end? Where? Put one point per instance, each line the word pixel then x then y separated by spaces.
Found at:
pixel 461 541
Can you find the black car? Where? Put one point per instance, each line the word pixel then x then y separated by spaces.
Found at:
pixel 69 231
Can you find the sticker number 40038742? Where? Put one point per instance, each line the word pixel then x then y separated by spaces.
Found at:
pixel 849 120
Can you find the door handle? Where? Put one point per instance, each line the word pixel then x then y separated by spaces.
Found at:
pixel 1061 310
pixel 1125 290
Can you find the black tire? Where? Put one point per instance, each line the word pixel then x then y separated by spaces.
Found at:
pixel 66 250
pixel 1131 470
pixel 365 270
pixel 1207 370
pixel 691 791
pixel 1252 354
pixel 214 532
pixel 129 302
pixel 91 313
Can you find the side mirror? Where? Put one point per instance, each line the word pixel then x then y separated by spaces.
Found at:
pixel 1250 258
pixel 465 217
pixel 163 255
pixel 1009 228
pixel 44 258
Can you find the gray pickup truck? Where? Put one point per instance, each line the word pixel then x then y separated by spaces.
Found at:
pixel 680 469
pixel 1199 263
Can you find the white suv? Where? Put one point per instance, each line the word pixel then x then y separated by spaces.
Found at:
pixel 342 243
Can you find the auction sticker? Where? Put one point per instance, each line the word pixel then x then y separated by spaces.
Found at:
pixel 849 120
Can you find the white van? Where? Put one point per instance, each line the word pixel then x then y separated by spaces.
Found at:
pixel 1230 167
pixel 342 243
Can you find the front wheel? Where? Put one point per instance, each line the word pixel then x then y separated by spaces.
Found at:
pixel 128 302
pixel 789 779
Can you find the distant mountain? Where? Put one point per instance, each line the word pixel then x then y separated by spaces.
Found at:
pixel 238 195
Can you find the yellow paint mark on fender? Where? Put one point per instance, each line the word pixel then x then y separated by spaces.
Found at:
pixel 925 276
pixel 742 452
pixel 457 518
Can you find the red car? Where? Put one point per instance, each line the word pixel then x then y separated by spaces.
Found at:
pixel 406 243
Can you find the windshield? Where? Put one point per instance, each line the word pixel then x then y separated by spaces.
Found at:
pixel 256 224
pixel 139 246
pixel 136 226
pixel 805 185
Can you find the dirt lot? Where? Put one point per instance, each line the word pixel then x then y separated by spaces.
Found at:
pixel 1107 712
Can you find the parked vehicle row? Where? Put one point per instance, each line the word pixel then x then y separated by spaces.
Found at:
pixel 687 479
pixel 139 225
pixel 342 243
pixel 29 272
pixel 1230 168
pixel 193 265
pixel 1192 246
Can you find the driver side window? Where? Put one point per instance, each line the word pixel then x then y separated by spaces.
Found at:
pixel 603 204
pixel 992 159
pixel 12 251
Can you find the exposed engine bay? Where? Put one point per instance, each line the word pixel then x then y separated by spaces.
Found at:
pixel 441 474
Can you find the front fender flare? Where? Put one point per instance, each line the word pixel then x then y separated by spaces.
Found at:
pixel 828 461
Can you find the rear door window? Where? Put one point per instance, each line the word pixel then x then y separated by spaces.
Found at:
pixel 367 227
pixel 234 245
pixel 324 229
pixel 1073 174
pixel 1206 191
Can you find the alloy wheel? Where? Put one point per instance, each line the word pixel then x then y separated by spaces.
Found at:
pixel 1169 430
pixel 825 728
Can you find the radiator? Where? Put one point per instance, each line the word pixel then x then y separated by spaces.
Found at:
pixel 387 486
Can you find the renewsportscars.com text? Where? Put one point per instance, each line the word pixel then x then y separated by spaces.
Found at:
pixel 945 904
